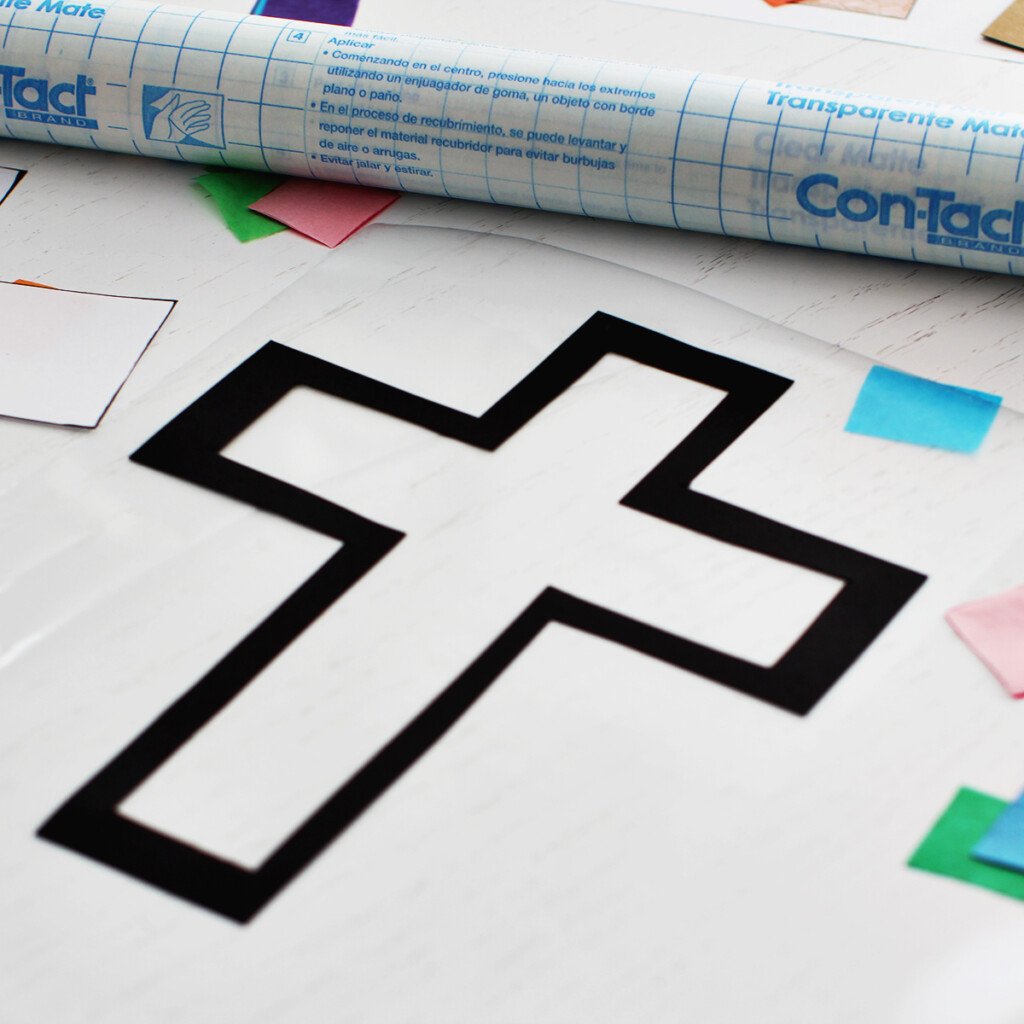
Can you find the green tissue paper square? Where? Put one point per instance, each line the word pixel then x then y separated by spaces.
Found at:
pixel 233 191
pixel 946 850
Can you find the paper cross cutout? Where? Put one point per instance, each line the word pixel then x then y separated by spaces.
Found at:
pixel 189 447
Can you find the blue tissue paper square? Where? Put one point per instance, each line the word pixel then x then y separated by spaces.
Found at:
pixel 1003 844
pixel 902 407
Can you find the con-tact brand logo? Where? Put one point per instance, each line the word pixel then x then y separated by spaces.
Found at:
pixel 945 219
pixel 46 102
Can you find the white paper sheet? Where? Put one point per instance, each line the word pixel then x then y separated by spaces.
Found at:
pixel 593 793
pixel 369 664
pixel 933 24
pixel 64 355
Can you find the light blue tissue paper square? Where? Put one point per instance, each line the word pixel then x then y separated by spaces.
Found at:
pixel 901 407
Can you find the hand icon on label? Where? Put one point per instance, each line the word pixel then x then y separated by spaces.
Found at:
pixel 178 120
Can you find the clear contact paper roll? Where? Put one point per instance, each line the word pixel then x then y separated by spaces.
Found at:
pixel 774 161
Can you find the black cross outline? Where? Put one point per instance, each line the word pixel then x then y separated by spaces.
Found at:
pixel 190 446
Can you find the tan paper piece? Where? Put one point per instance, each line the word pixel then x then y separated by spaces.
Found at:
pixel 1008 28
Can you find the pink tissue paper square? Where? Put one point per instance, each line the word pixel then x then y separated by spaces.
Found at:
pixel 993 627
pixel 326 211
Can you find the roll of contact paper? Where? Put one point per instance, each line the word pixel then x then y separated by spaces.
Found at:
pixel 702 152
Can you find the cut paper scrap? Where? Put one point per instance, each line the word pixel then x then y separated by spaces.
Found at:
pixel 33 284
pixel 324 12
pixel 780 3
pixel 879 8
pixel 946 849
pixel 1003 844
pixel 1008 28
pixel 232 192
pixel 9 177
pixel 993 627
pixel 64 355
pixel 324 210
pixel 900 407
